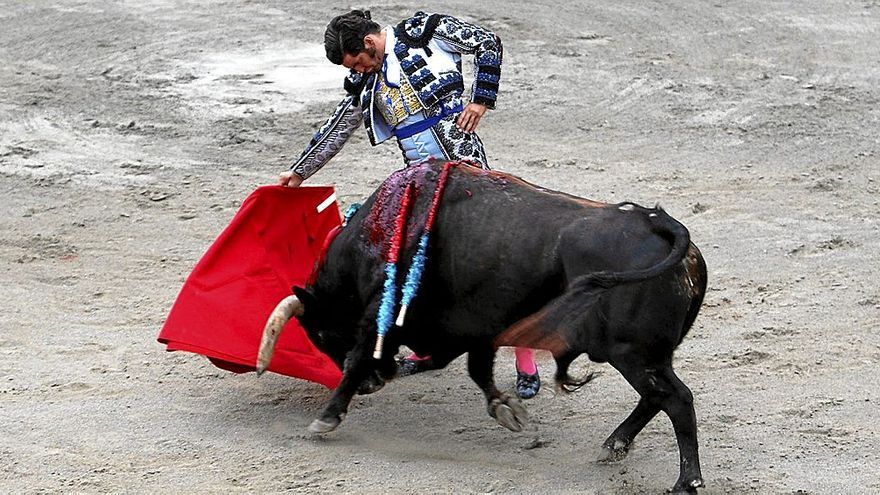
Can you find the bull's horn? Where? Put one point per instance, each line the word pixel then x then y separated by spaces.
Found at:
pixel 288 307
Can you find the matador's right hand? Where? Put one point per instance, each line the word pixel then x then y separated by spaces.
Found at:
pixel 290 179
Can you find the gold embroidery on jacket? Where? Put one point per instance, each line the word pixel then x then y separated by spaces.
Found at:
pixel 396 104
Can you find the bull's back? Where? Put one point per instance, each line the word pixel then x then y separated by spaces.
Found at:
pixel 522 226
pixel 512 248
pixel 501 248
pixel 495 249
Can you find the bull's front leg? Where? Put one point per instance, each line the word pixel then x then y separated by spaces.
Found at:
pixel 506 409
pixel 384 369
pixel 359 367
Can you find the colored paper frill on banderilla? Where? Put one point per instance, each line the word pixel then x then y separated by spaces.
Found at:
pixel 271 245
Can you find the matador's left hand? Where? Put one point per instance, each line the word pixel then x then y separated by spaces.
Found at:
pixel 470 117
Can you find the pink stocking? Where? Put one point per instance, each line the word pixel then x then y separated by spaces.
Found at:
pixel 525 361
pixel 416 357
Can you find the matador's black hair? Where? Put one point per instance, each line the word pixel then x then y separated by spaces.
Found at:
pixel 345 34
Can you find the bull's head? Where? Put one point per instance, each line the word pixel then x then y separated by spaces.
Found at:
pixel 324 324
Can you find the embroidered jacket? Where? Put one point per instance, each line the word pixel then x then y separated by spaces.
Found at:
pixel 429 49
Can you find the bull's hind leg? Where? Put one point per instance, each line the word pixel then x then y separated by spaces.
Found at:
pixel 616 447
pixel 565 383
pixel 506 409
pixel 660 390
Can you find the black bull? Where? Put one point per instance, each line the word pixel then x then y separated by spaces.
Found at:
pixel 510 263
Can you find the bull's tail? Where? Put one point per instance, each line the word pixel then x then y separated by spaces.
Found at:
pixel 661 224
pixel 554 326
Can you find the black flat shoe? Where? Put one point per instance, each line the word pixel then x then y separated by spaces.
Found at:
pixel 527 386
pixel 408 366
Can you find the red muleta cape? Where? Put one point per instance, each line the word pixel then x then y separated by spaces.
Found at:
pixel 271 245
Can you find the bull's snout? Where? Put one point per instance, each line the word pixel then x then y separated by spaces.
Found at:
pixel 288 307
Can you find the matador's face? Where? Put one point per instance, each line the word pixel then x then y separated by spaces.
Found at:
pixel 368 61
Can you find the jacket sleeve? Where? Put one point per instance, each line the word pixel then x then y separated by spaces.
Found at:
pixel 458 36
pixel 330 138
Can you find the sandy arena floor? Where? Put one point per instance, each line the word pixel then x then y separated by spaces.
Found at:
pixel 131 131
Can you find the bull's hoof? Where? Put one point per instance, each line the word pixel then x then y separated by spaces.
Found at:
pixel 687 487
pixel 509 413
pixel 613 452
pixel 324 425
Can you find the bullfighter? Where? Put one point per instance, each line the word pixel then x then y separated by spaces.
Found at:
pixel 406 82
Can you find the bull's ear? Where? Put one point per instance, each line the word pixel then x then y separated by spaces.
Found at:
pixel 306 296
